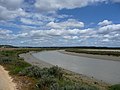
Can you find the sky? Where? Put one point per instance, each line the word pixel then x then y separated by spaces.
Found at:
pixel 42 23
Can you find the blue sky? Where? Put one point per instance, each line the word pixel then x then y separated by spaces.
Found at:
pixel 60 22
pixel 95 13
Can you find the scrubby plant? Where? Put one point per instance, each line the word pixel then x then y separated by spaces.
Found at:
pixel 32 71
pixel 50 83
pixel 115 87
pixel 45 83
pixel 56 71
pixel 5 60
pixel 52 79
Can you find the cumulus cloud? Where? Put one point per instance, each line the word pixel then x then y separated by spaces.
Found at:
pixel 68 34
pixel 109 34
pixel 13 8
pixel 71 37
pixel 103 34
pixel 6 14
pixel 109 29
pixel 22 35
pixel 70 23
pixel 10 9
pixel 105 22
pixel 53 5
pixel 31 21
pixel 44 28
pixel 11 4
pixel 5 34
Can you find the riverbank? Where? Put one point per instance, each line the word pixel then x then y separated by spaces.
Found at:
pixel 6 82
pixel 28 57
pixel 103 57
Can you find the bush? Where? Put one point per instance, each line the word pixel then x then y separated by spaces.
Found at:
pixel 50 83
pixel 56 71
pixel 5 60
pixel 32 71
pixel 46 83
pixel 115 87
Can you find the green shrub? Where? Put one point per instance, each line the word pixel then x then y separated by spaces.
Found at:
pixel 5 60
pixel 46 82
pixel 115 87
pixel 56 71
pixel 32 71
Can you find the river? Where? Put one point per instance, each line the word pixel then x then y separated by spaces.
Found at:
pixel 105 70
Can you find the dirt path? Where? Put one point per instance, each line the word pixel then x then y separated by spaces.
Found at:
pixel 6 81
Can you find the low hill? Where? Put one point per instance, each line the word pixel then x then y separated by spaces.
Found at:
pixel 7 46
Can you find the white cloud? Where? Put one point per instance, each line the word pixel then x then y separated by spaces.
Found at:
pixel 11 4
pixel 105 22
pixel 5 34
pixel 63 33
pixel 70 23
pixel 6 14
pixel 53 5
pixel 106 40
pixel 70 37
pixel 104 34
pixel 109 29
pixel 44 28
pixel 22 35
pixel 13 8
pixel 30 21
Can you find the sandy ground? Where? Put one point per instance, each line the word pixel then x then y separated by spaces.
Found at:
pixel 103 57
pixel 6 81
